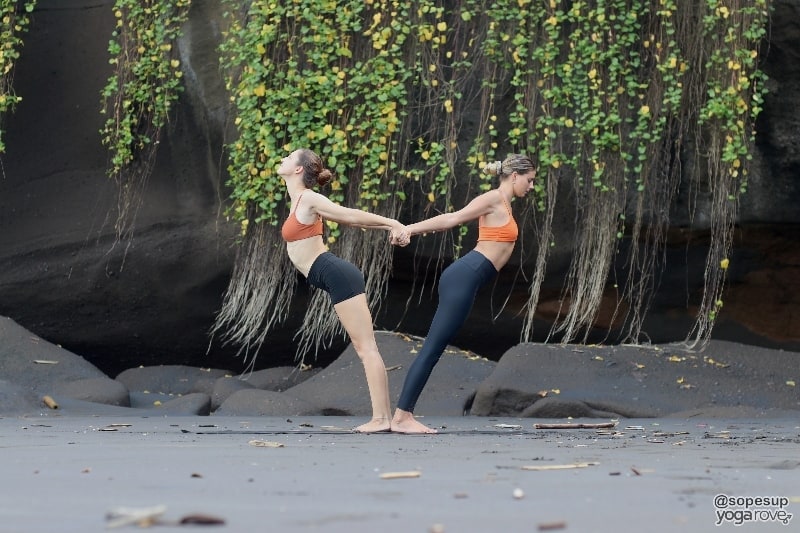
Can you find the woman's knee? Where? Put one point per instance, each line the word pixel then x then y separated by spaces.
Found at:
pixel 365 348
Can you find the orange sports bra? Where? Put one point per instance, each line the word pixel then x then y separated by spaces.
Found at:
pixel 506 233
pixel 294 230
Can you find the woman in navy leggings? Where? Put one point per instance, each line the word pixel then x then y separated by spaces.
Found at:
pixel 459 283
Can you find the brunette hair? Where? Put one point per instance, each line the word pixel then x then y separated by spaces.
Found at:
pixel 519 163
pixel 313 170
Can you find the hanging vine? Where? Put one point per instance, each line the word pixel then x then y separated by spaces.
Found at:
pixel 139 95
pixel 606 94
pixel 726 133
pixel 14 20
pixel 610 95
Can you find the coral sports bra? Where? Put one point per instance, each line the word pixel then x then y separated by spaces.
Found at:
pixel 293 230
pixel 508 232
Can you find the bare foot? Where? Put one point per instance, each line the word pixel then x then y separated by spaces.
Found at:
pixel 404 422
pixel 376 425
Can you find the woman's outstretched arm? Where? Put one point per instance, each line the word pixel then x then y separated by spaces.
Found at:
pixel 482 205
pixel 357 218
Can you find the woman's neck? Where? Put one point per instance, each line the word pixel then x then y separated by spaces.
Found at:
pixel 295 188
pixel 507 190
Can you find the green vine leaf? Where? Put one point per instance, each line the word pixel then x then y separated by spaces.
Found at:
pixel 13 25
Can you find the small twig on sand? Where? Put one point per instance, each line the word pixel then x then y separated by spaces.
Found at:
pixel 600 425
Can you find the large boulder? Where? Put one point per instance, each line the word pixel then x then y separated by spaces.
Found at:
pixel 547 381
pixel 32 368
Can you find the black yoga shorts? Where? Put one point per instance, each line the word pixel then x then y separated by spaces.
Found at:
pixel 337 277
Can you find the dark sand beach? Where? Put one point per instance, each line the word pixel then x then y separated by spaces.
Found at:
pixel 67 473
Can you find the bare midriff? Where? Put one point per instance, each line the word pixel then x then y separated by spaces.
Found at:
pixel 304 252
pixel 497 252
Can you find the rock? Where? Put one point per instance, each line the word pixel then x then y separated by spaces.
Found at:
pixel 224 387
pixel 279 378
pixel 171 379
pixel 194 404
pixel 256 402
pixel 156 404
pixel 636 381
pixel 97 390
pixel 554 407
pixel 36 368
pixel 341 387
pixel 17 400
pixel 723 380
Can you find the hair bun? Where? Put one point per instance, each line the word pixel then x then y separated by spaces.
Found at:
pixel 324 177
pixel 494 168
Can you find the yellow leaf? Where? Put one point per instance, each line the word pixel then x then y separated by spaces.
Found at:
pixel 724 264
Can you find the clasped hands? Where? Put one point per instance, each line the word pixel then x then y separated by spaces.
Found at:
pixel 400 236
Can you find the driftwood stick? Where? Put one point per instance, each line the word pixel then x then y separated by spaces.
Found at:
pixel 558 467
pixel 49 402
pixel 600 425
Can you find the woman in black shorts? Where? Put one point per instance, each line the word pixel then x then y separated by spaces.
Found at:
pixel 302 231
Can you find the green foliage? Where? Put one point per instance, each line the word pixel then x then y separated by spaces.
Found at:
pixel 13 23
pixel 602 92
pixel 335 76
pixel 735 89
pixel 146 79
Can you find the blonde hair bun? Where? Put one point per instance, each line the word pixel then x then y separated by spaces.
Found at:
pixel 494 168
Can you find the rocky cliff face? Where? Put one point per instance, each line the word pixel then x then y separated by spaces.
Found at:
pixel 153 300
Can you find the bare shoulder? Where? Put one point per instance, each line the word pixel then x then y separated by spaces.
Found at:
pixel 312 200
pixel 487 201
pixel 327 208
pixel 312 197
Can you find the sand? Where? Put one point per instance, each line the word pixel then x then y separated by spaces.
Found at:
pixel 67 473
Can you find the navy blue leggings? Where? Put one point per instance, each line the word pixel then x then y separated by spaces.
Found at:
pixel 458 287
